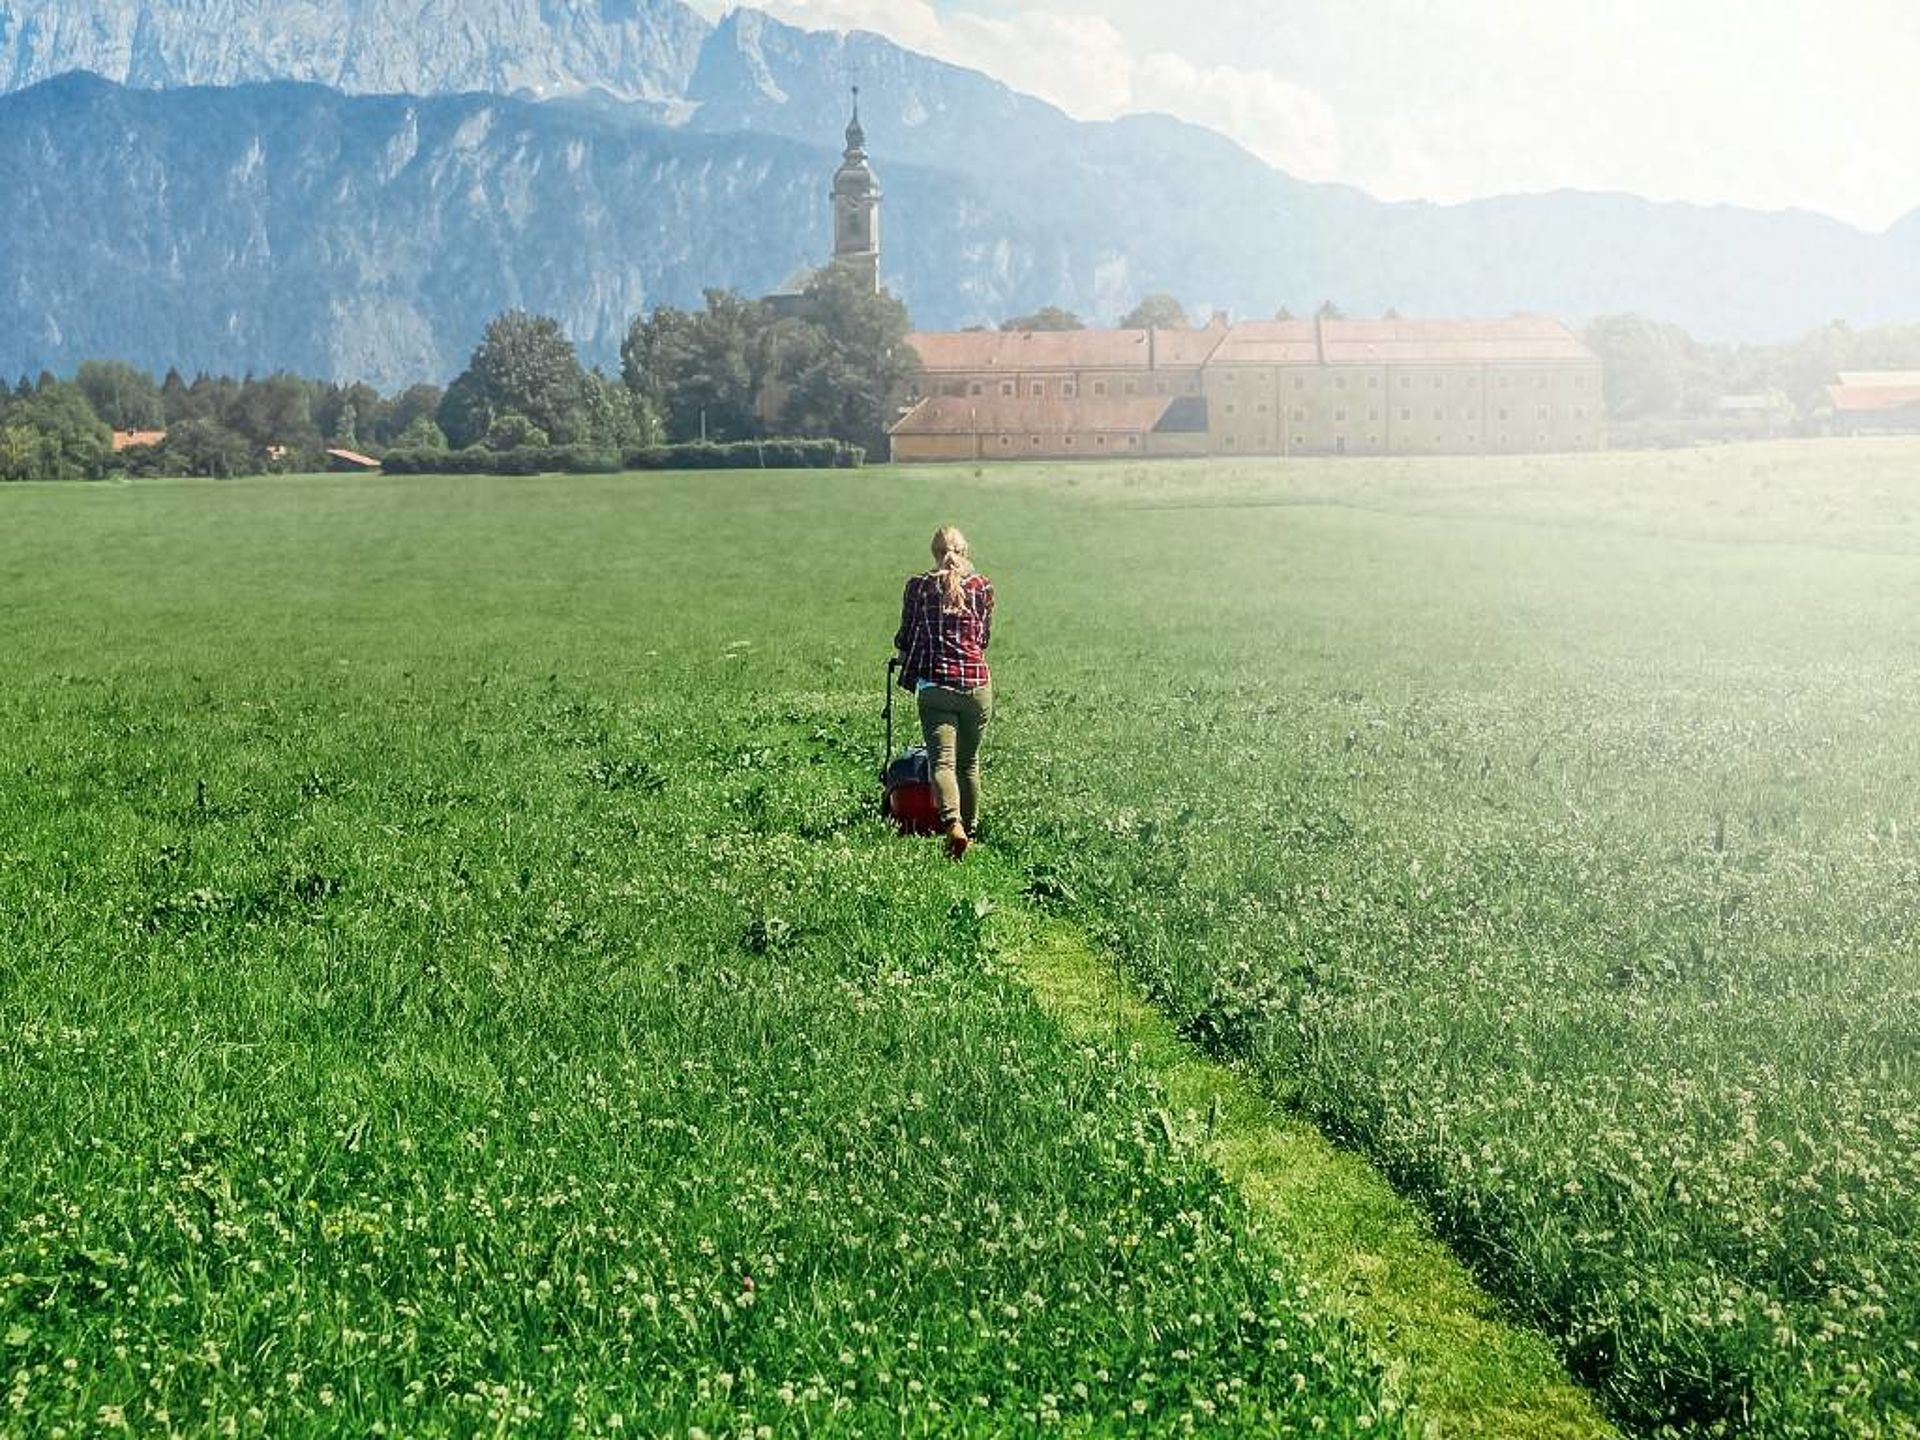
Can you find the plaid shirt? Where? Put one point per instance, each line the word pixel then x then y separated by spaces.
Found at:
pixel 949 650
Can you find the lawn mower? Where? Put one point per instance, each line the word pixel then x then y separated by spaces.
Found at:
pixel 909 799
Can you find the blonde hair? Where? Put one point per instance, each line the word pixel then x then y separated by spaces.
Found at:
pixel 952 566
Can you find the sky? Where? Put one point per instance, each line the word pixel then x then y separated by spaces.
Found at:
pixel 1766 103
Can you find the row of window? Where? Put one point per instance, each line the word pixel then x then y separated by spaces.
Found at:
pixel 1440 442
pixel 1133 441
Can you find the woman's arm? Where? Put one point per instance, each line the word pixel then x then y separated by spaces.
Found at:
pixel 906 621
pixel 986 616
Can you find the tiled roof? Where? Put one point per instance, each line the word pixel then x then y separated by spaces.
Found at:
pixel 1015 350
pixel 1856 399
pixel 1269 342
pixel 130 439
pixel 352 457
pixel 1523 338
pixel 954 415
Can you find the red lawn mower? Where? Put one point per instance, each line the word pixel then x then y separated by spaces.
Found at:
pixel 910 800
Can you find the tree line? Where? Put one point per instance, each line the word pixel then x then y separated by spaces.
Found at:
pixel 829 363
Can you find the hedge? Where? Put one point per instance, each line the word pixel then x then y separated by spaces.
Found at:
pixel 585 460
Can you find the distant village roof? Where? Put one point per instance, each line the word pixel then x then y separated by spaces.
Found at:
pixel 1522 339
pixel 354 459
pixel 133 439
pixel 955 415
pixel 1868 392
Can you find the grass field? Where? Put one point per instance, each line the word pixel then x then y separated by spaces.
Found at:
pixel 452 980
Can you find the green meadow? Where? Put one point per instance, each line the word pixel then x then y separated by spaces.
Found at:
pixel 453 981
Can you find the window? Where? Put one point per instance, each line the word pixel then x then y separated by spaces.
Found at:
pixel 1373 382
pixel 1373 439
pixel 1300 440
pixel 1579 382
pixel 1340 416
pixel 1037 390
pixel 1468 413
pixel 1299 382
pixel 1405 414
pixel 1129 387
pixel 1262 407
pixel 1503 413
pixel 976 388
pixel 1133 442
pixel 1160 386
pixel 1544 412
pixel 1505 382
pixel 1473 382
pixel 1006 387
pixel 1579 439
pixel 1541 438
pixel 1340 383
pixel 1101 440
pixel 1406 382
pixel 1299 413
pixel 1579 412
pixel 1099 387
pixel 1541 383
pixel 1069 389
pixel 1232 442
pixel 1036 442
pixel 1069 441
pixel 1374 416
pixel 1438 413
pixel 1231 408
pixel 1006 440
pixel 1438 381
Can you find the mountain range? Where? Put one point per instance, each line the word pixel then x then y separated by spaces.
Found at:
pixel 353 188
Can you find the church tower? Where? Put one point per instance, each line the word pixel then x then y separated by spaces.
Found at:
pixel 856 205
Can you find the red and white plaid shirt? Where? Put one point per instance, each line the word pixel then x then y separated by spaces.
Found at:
pixel 949 650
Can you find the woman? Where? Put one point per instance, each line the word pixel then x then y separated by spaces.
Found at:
pixel 946 623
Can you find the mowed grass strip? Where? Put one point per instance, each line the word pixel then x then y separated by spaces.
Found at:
pixel 1372 1252
pixel 453 981
pixel 1545 829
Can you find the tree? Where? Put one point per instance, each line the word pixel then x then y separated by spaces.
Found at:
pixel 702 372
pixel 466 415
pixel 123 397
pixel 1330 311
pixel 1047 317
pixel 844 361
pixel 1156 312
pixel 415 403
pixel 525 365
pixel 422 434
pixel 1651 368
pixel 514 431
pixel 274 412
pixel 208 448
pixel 70 441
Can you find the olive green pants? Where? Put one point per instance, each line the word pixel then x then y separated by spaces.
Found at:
pixel 952 721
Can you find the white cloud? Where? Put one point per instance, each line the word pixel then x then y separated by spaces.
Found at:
pixel 1083 63
pixel 1755 102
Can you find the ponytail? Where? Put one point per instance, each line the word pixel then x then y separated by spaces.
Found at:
pixel 952 567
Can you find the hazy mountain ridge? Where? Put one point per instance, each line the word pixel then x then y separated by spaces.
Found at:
pixel 633 49
pixel 339 253
pixel 289 226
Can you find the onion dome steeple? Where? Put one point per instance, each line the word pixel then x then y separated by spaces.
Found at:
pixel 856 204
